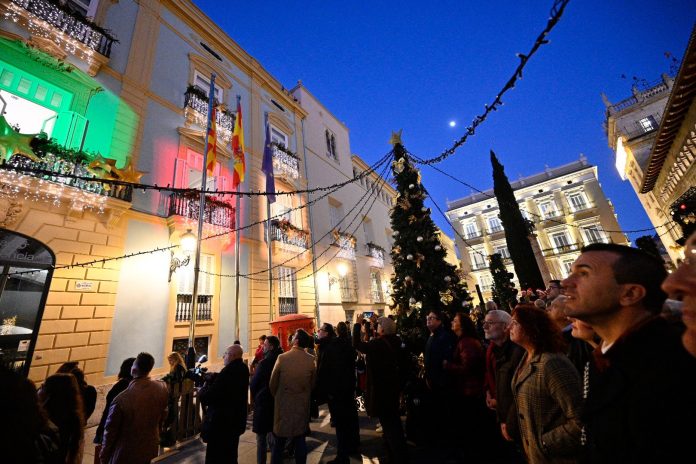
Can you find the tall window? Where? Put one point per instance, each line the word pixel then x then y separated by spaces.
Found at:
pixel 203 82
pixel 485 282
pixel 502 250
pixel 279 136
pixel 330 144
pixel 375 286
pixel 471 230
pixel 287 296
pixel 206 289
pixel 577 201
pixel 367 230
pixel 478 260
pixel 335 214
pixel 494 224
pixel 594 234
pixel 349 291
pixel 560 241
pixel 548 209
pixel 567 266
pixel 282 209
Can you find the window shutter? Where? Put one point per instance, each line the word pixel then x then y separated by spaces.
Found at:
pixel 180 173
pixel 195 160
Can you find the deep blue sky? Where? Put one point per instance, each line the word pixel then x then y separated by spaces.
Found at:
pixel 411 65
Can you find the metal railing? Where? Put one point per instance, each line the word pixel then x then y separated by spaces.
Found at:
pixel 287 305
pixel 285 165
pixel 194 100
pixel 473 235
pixel 57 166
pixel 70 24
pixel 296 237
pixel 495 229
pixel 184 307
pixel 348 294
pixel 216 212
pixel 561 249
pixel 478 266
pixel 376 296
pixel 347 245
pixel 377 254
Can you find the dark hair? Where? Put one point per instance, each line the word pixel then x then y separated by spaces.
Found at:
pixel 63 403
pixel 303 339
pixel 328 328
pixel 72 367
pixel 125 370
pixel 342 330
pixel 468 327
pixel 541 332
pixel 262 337
pixel 273 341
pixel 634 266
pixel 145 363
pixel 555 281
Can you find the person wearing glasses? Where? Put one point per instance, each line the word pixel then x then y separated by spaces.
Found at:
pixel 547 390
pixel 681 286
pixel 502 358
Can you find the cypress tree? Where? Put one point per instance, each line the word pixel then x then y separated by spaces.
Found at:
pixel 503 288
pixel 517 230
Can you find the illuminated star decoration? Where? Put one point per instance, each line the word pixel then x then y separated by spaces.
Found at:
pixel 399 165
pixel 396 138
pixel 14 143
pixel 102 167
pixel 129 173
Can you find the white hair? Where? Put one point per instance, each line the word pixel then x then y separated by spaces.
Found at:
pixel 501 316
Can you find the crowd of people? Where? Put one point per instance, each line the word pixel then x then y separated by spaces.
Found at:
pixel 592 369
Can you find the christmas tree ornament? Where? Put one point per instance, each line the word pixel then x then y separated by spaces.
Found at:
pixel 419 259
pixel 411 186
pixel 418 305
pixel 14 143
pixel 411 301
pixel 409 257
pixel 396 249
pixel 395 233
pixel 408 279
pixel 446 297
pixel 424 210
pixel 448 279
pixel 419 239
pixel 412 218
pixel 129 173
pixel 404 204
pixel 438 248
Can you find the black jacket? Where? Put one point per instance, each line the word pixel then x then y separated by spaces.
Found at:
pixel 335 369
pixel 382 361
pixel 641 406
pixel 439 347
pixel 507 358
pixel 263 400
pixel 226 401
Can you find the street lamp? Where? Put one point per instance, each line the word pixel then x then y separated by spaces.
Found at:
pixel 188 246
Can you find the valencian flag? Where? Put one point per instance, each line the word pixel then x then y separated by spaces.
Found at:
pixel 238 148
pixel 267 164
pixel 212 137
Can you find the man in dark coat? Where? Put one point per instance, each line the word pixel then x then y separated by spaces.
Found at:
pixel 226 400
pixel 439 348
pixel 640 398
pixel 263 400
pixel 336 386
pixel 383 386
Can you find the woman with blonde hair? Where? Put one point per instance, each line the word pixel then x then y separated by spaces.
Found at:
pixel 175 385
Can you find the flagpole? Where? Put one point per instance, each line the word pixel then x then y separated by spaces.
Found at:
pixel 267 168
pixel 270 259
pixel 236 267
pixel 201 212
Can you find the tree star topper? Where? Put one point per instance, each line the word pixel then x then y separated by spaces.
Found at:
pixel 396 138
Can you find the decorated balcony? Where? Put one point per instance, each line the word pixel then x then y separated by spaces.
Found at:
pixel 217 213
pixel 346 242
pixel 184 308
pixel 196 112
pixel 286 165
pixel 54 26
pixel 289 236
pixel 377 253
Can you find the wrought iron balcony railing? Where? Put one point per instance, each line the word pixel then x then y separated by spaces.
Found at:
pixel 287 305
pixel 184 306
pixel 346 242
pixel 285 164
pixel 377 253
pixel 376 296
pixel 348 294
pixel 289 235
pixel 70 23
pixel 496 229
pixel 51 167
pixel 196 99
pixel 478 266
pixel 217 213
pixel 473 235
pixel 561 249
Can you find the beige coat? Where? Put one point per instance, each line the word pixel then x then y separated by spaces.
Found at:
pixel 131 433
pixel 291 384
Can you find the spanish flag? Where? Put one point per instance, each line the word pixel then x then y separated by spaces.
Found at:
pixel 238 148
pixel 211 149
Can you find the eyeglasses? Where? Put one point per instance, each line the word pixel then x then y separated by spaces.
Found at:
pixel 490 323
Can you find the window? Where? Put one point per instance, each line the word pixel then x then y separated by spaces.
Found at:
pixel 478 260
pixel 203 83
pixel 349 290
pixel 86 8
pixel 485 282
pixel 594 234
pixel 470 230
pixel 279 136
pixel 560 241
pixel 282 209
pixel 367 230
pixel 494 224
pixel 648 124
pixel 330 144
pixel 375 286
pixel 502 250
pixel 567 266
pixel 287 296
pixel 577 201
pixel 335 214
pixel 189 172
pixel 548 209
pixel 206 289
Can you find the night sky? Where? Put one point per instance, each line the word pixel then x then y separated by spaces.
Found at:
pixel 388 65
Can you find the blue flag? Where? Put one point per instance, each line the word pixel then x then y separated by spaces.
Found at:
pixel 267 164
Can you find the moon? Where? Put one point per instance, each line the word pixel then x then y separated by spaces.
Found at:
pixel 452 123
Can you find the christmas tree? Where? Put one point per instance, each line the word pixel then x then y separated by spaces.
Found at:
pixel 503 288
pixel 423 281
pixel 517 230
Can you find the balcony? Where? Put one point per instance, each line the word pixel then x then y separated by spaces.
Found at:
pixel 287 305
pixel 196 112
pixel 561 249
pixel 476 235
pixel 55 28
pixel 50 167
pixel 184 306
pixel 346 242
pixel 495 230
pixel 376 252
pixel 478 266
pixel 348 294
pixel 583 211
pixel 217 213
pixel 285 164
pixel 289 236
pixel 376 296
